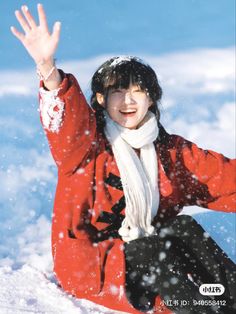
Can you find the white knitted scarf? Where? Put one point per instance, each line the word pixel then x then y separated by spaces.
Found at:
pixel 138 174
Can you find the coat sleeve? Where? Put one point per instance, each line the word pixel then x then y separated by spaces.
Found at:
pixel 205 178
pixel 70 127
pixel 69 123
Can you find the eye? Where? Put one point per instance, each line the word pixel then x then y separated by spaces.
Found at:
pixel 138 90
pixel 116 91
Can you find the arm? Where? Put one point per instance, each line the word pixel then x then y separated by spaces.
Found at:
pixel 207 179
pixel 70 127
pixel 40 44
pixel 65 115
pixel 69 123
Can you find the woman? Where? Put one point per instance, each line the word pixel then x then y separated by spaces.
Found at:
pixel 122 180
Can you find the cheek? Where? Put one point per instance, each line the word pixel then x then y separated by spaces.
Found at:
pixel 112 109
pixel 112 106
pixel 145 106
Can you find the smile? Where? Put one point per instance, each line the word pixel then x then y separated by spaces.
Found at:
pixel 128 112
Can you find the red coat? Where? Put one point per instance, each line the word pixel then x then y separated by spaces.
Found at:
pixel 89 198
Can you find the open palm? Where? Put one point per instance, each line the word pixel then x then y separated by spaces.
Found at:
pixel 40 44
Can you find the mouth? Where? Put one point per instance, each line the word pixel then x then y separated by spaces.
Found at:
pixel 128 112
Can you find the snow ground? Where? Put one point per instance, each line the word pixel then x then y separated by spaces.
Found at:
pixel 28 290
pixel 27 285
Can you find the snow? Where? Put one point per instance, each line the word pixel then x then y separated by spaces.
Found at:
pixel 27 284
pixel 198 103
pixel 121 59
pixel 28 290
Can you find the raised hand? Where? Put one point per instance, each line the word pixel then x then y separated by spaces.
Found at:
pixel 40 44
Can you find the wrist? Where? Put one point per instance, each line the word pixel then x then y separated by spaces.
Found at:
pixel 45 61
pixel 45 64
pixel 45 69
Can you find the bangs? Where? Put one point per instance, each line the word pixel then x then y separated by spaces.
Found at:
pixel 125 74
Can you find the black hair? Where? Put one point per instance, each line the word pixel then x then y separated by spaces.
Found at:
pixel 119 72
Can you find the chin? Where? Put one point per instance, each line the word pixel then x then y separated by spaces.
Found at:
pixel 131 127
pixel 128 124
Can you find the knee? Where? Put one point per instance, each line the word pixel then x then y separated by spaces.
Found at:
pixel 188 223
pixel 180 220
pixel 181 226
pixel 183 220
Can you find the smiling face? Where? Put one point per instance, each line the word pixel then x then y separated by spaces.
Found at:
pixel 127 107
pixel 127 88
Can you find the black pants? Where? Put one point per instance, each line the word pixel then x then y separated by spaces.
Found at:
pixel 173 264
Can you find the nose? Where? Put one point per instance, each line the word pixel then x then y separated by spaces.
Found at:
pixel 128 98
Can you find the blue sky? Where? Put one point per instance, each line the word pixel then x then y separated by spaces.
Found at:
pixel 93 27
pixel 191 45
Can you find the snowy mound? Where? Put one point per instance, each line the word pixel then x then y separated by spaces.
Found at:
pixel 27 290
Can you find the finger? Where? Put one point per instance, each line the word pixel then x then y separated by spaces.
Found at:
pixel 56 31
pixel 16 33
pixel 28 16
pixel 22 21
pixel 42 17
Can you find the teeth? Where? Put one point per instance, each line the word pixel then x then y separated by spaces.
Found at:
pixel 129 111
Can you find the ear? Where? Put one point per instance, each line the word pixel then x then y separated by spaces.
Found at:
pixel 100 99
pixel 150 103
